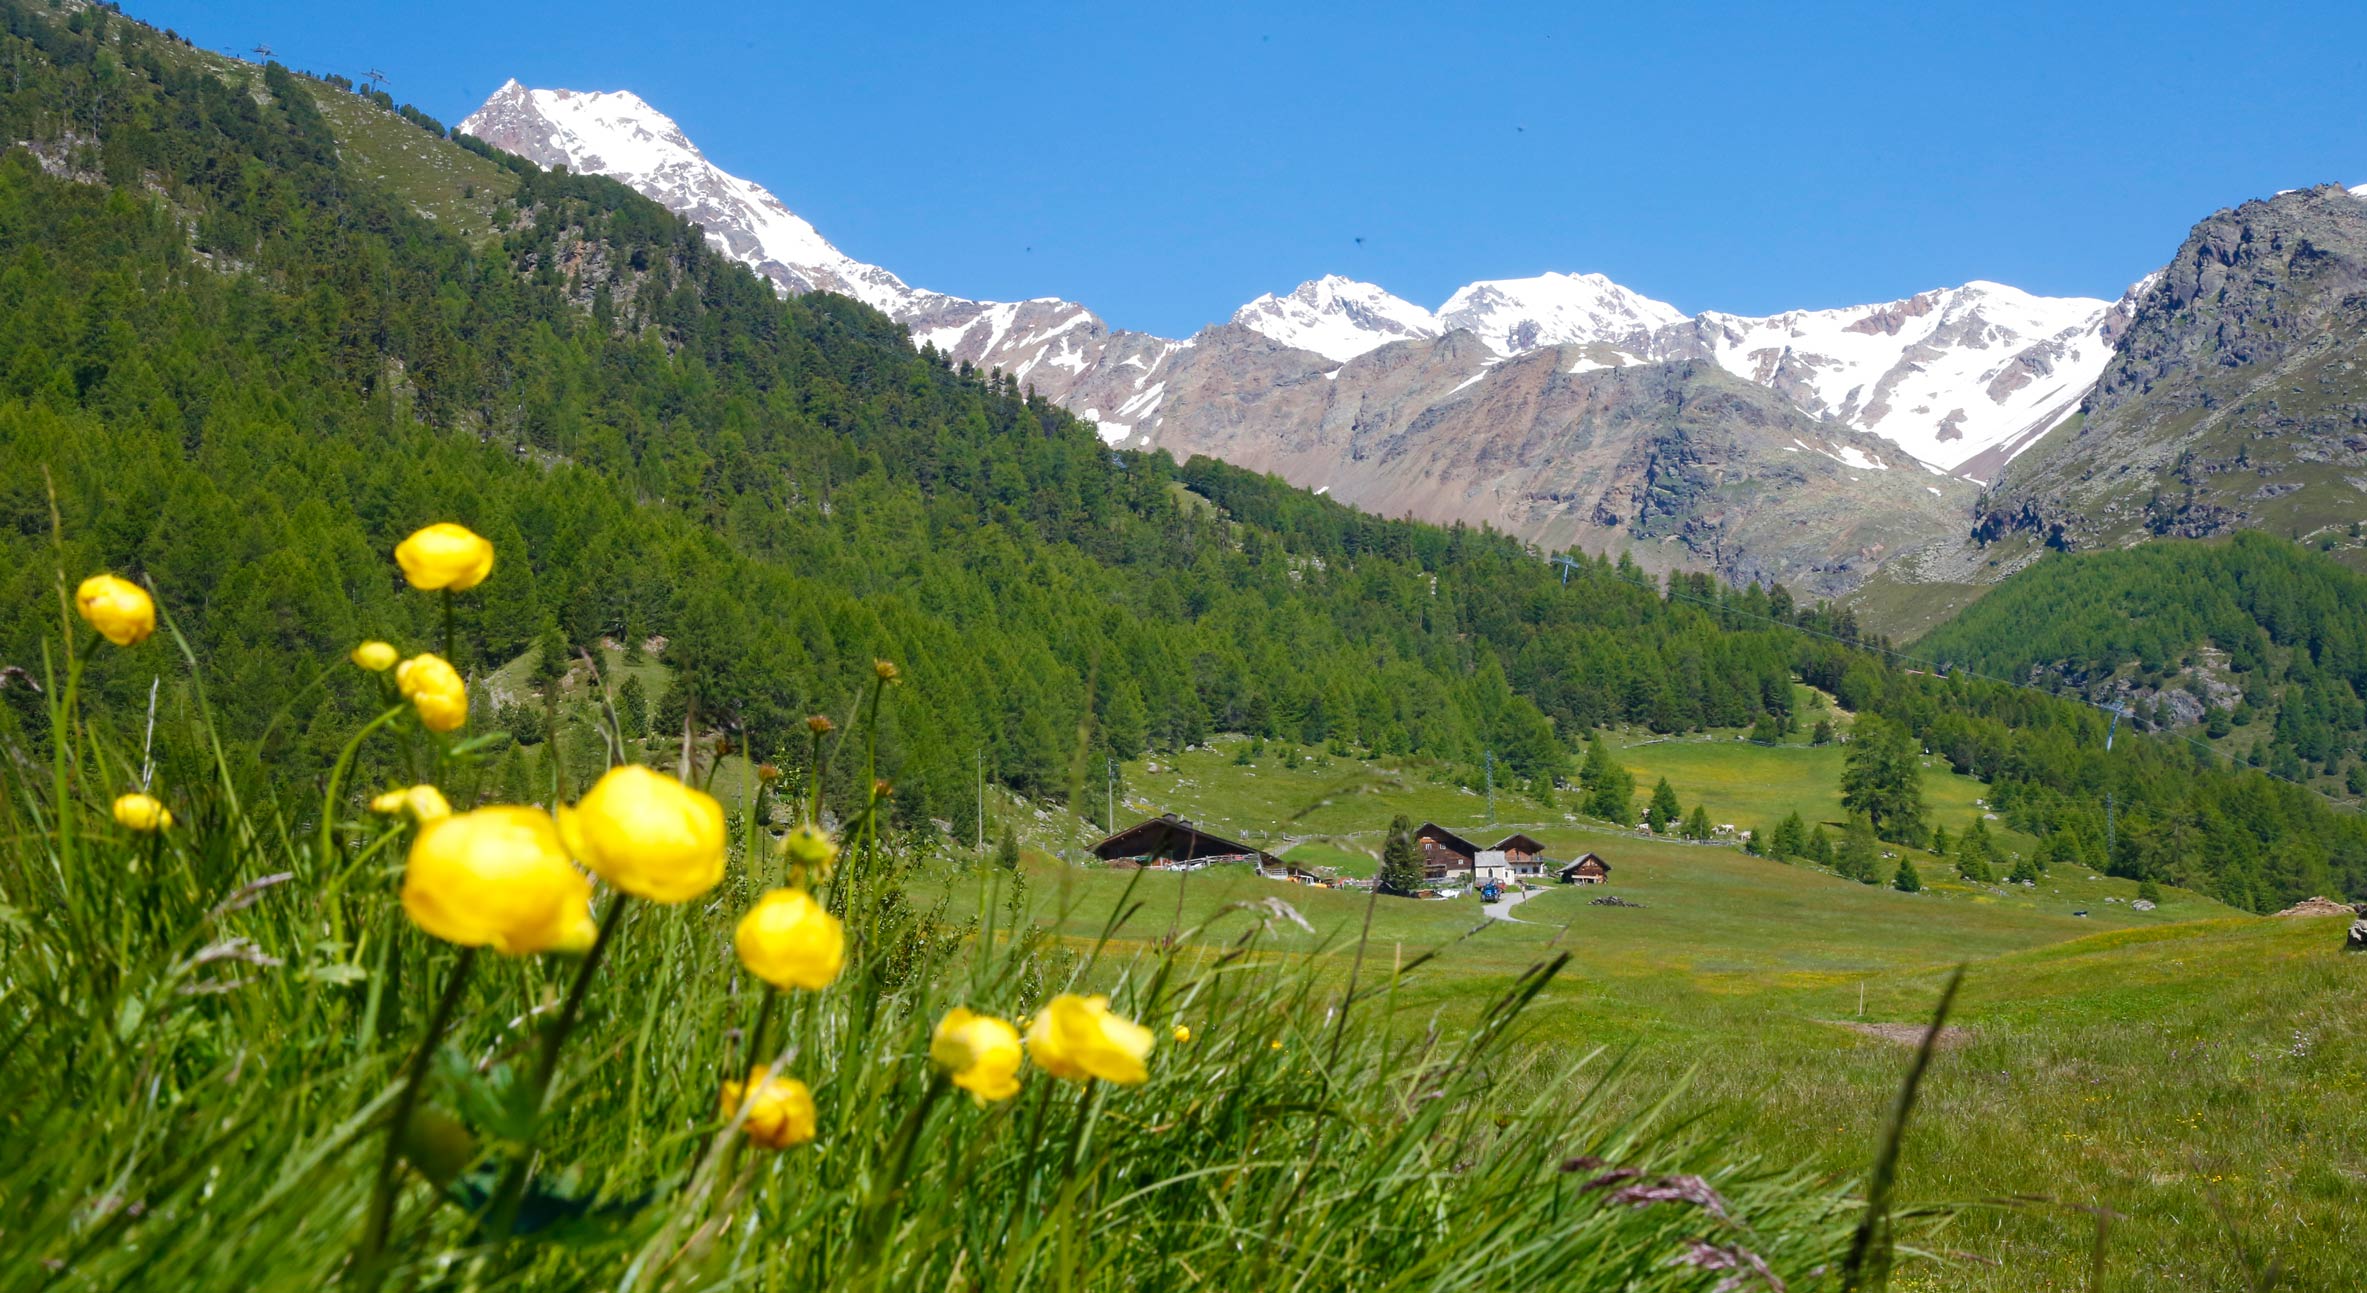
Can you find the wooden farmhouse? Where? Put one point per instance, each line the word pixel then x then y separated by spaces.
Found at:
pixel 1589 868
pixel 1173 842
pixel 1447 858
pixel 1522 854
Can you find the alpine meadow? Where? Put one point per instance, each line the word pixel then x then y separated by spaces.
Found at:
pixel 546 746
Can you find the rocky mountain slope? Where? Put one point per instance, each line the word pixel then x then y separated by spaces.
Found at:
pixel 2237 399
pixel 1463 425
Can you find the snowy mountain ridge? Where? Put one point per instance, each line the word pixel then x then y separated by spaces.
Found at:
pixel 1959 378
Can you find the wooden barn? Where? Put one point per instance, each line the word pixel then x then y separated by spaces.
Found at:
pixel 1445 855
pixel 1523 855
pixel 1171 841
pixel 1588 869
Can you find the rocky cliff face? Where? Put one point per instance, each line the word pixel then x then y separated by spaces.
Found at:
pixel 2236 398
pixel 1681 463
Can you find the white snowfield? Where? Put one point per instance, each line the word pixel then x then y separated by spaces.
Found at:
pixel 1944 374
pixel 1947 375
pixel 1337 318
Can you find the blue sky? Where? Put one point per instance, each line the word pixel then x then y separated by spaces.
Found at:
pixel 1164 163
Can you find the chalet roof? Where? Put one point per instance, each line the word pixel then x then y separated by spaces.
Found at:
pixel 1582 859
pixel 1169 836
pixel 1446 838
pixel 1524 843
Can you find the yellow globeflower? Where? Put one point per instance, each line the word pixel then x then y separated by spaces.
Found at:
pixel 445 555
pixel 498 878
pixel 424 802
pixel 1077 1037
pixel 141 813
pixel 434 688
pixel 979 1052
pixel 781 1113
pixel 811 853
pixel 377 657
pixel 118 608
pixel 647 834
pixel 1182 1033
pixel 788 941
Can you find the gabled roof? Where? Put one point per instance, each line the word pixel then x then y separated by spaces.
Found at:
pixel 1524 843
pixel 1582 859
pixel 1434 831
pixel 1173 837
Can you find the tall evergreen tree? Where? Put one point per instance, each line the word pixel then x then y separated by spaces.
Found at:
pixel 1664 812
pixel 1401 860
pixel 1860 856
pixel 1882 777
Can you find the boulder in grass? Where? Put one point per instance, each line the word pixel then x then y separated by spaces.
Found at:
pixel 2358 941
pixel 2318 907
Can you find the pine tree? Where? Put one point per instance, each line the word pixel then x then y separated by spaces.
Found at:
pixel 1610 789
pixel 1882 777
pixel 1822 733
pixel 1664 811
pixel 1791 838
pixel 1401 860
pixel 551 657
pixel 1859 857
pixel 1006 852
pixel 1905 880
pixel 1755 843
pixel 1697 823
pixel 1820 847
pixel 2148 891
pixel 2025 871
pixel 632 708
pixel 1939 841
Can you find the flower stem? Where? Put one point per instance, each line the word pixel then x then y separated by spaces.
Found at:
pixel 504 1209
pixel 382 1195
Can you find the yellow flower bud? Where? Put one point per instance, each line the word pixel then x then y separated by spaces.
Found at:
pixel 434 688
pixel 118 608
pixel 1274 1045
pixel 377 657
pixel 780 1113
pixel 141 813
pixel 423 802
pixel 445 555
pixel 979 1052
pixel 647 834
pixel 1182 1034
pixel 886 671
pixel 788 941
pixel 1077 1038
pixel 810 852
pixel 498 878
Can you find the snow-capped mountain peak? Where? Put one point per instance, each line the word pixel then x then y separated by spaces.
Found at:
pixel 1513 315
pixel 618 134
pixel 1338 318
pixel 1949 375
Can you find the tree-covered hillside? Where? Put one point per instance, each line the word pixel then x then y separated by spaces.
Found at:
pixel 2256 643
pixel 250 365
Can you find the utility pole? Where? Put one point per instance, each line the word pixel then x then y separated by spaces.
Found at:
pixel 1491 787
pixel 1110 813
pixel 982 801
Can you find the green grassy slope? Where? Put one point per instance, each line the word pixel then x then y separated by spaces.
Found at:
pixel 2160 1069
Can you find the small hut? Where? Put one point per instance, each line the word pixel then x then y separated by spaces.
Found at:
pixel 1589 868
